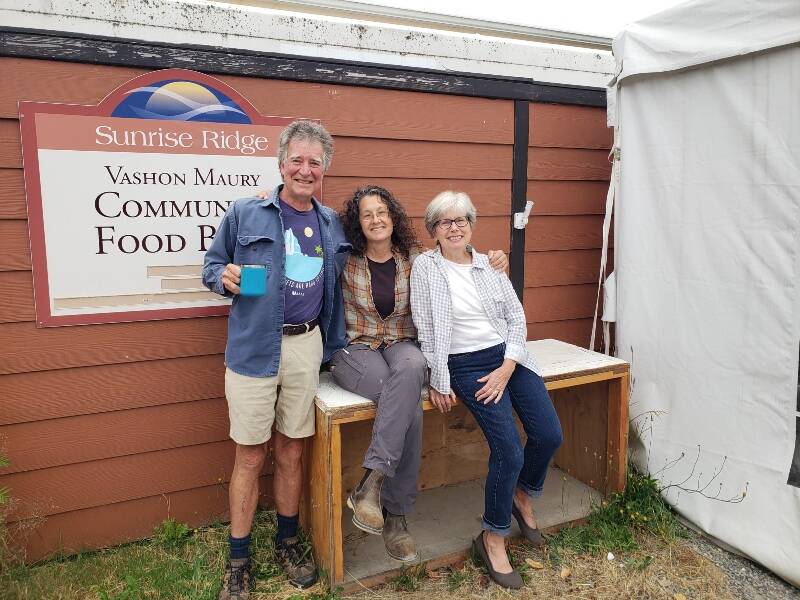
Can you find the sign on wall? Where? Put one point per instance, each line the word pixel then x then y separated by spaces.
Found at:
pixel 124 197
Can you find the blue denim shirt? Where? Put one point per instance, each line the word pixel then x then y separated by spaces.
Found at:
pixel 251 232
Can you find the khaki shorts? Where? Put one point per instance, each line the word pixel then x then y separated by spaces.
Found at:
pixel 254 403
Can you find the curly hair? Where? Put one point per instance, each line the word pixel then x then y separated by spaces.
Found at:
pixel 307 131
pixel 404 239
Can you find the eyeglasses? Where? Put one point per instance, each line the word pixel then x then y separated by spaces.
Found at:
pixel 444 224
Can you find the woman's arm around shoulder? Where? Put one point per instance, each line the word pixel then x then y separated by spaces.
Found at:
pixel 515 320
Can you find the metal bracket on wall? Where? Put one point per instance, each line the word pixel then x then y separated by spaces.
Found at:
pixel 521 218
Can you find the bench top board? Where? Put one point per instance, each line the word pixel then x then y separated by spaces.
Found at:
pixel 557 360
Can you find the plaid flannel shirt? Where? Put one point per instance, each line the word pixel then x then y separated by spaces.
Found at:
pixel 432 308
pixel 364 323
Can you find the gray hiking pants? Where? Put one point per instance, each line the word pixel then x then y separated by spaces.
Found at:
pixel 392 378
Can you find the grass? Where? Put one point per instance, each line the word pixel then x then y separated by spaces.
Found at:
pixel 409 579
pixel 176 563
pixel 612 526
pixel 651 561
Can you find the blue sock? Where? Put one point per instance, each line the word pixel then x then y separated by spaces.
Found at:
pixel 287 527
pixel 240 547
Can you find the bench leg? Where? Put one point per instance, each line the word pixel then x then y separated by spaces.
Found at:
pixel 324 462
pixel 617 445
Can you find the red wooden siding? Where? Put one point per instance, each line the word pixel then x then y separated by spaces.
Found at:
pixel 112 428
pixel 568 173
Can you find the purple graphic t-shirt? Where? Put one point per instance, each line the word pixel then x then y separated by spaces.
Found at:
pixel 304 280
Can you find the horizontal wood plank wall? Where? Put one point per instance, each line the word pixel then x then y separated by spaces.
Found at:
pixel 112 428
pixel 568 174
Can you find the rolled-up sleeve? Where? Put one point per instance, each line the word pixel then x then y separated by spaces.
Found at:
pixel 220 253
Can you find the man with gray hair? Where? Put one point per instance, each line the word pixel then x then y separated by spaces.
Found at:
pixel 277 340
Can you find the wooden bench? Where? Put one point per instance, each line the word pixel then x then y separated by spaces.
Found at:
pixel 590 393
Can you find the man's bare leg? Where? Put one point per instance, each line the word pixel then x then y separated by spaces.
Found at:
pixel 243 491
pixel 287 484
pixel 288 475
pixel 243 497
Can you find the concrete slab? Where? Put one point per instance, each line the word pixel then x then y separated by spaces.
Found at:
pixel 446 519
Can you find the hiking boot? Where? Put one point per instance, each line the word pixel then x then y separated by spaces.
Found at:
pixel 365 501
pixel 237 581
pixel 399 543
pixel 297 562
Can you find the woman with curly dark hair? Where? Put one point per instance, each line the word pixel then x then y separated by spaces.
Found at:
pixel 403 238
pixel 382 361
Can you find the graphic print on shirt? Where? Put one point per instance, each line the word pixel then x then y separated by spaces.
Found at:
pixel 302 270
pixel 304 265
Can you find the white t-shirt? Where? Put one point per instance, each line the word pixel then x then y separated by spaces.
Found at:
pixel 472 329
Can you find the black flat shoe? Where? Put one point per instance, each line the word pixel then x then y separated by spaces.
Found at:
pixel 532 534
pixel 511 580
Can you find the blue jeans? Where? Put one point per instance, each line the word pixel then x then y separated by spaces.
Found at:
pixel 510 465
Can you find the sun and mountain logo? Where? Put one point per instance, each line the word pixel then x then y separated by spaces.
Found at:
pixel 299 267
pixel 180 100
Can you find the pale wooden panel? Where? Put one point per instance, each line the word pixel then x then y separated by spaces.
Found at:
pixel 25 348
pixel 16 255
pixel 447 465
pixel 18 303
pixel 461 427
pixel 558 303
pixel 12 194
pixel 563 267
pixel 112 524
pixel 83 485
pixel 583 412
pixel 10 146
pixel 568 163
pixel 360 157
pixel 344 110
pixel 566 126
pixel 454 464
pixel 492 197
pixel 104 388
pixel 55 442
pixel 356 437
pixel 568 197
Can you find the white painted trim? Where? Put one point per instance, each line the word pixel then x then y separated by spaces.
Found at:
pixel 432 20
pixel 259 29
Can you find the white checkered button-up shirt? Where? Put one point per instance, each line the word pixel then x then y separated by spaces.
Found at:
pixel 432 311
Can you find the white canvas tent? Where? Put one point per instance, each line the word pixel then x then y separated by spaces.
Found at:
pixel 706 104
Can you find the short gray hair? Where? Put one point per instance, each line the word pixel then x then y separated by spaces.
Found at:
pixel 445 201
pixel 309 131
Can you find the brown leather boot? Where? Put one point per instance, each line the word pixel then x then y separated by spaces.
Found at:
pixel 365 501
pixel 237 581
pixel 399 543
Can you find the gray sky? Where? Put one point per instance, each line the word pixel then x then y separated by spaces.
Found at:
pixel 594 17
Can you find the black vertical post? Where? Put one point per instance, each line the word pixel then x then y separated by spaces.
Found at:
pixel 519 192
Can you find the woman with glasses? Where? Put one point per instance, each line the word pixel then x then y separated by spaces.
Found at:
pixel 471 327
pixel 382 361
